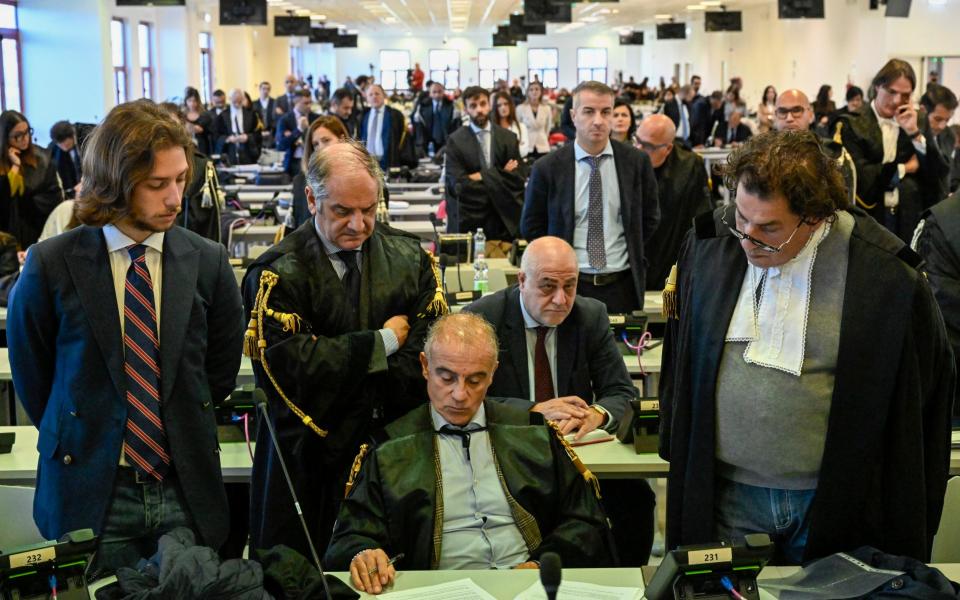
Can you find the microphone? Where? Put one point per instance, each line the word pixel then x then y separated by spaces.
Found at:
pixel 444 260
pixel 436 222
pixel 260 400
pixel 550 571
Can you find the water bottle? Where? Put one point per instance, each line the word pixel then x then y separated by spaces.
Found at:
pixel 479 264
pixel 431 149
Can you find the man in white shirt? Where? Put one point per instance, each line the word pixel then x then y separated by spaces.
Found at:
pixel 239 131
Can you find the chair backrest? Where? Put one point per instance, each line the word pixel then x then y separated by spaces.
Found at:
pixel 18 528
pixel 946 544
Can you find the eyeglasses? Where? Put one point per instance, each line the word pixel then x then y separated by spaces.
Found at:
pixel 647 146
pixel 796 111
pixel 761 245
pixel 19 136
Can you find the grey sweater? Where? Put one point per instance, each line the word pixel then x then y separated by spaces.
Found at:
pixel 772 425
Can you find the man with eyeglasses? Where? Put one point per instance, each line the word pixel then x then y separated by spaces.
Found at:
pixel 895 178
pixel 794 113
pixel 807 378
pixel 682 189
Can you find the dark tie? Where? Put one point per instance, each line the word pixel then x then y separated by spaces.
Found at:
pixel 145 441
pixel 437 125
pixel 351 279
pixel 75 157
pixel 542 377
pixel 463 434
pixel 236 123
pixel 596 246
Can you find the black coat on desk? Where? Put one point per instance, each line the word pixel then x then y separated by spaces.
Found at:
pixel 886 457
pixel 66 355
pixel 550 202
pixel 241 153
pixel 494 202
pixel 683 193
pixel 863 139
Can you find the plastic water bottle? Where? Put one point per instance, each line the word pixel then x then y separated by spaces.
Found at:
pixel 479 263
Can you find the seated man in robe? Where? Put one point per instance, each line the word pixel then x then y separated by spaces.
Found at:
pixel 466 482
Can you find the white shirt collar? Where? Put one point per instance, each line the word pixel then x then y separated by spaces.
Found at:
pixel 117 240
pixel 479 418
pixel 528 321
pixel 890 121
pixel 579 153
pixel 476 129
pixel 776 330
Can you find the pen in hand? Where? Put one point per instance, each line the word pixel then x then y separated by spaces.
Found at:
pixel 390 562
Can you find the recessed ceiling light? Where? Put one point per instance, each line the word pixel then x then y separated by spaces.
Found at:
pixel 711 3
pixel 663 16
pixel 695 7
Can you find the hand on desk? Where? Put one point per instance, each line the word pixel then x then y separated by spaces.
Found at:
pixel 376 561
pixel 562 409
pixel 583 426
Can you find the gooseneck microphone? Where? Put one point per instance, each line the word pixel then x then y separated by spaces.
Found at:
pixel 550 574
pixel 260 399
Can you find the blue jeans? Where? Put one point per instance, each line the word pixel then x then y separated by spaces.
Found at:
pixel 138 514
pixel 740 509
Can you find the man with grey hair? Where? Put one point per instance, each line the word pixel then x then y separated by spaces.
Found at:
pixel 682 189
pixel 465 482
pixel 601 197
pixel 239 131
pixel 339 310
pixel 559 359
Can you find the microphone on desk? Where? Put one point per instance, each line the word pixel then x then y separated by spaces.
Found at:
pixel 436 222
pixel 550 573
pixel 260 400
pixel 444 261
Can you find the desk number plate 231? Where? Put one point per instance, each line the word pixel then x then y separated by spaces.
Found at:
pixel 710 556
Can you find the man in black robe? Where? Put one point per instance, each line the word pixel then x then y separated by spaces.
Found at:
pixel 483 178
pixel 466 482
pixel 807 377
pixel 339 310
pixel 682 189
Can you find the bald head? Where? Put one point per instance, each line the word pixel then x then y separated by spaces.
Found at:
pixel 547 252
pixel 656 134
pixel 464 332
pixel 548 280
pixel 793 112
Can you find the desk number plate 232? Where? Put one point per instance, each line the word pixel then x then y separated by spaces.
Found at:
pixel 33 557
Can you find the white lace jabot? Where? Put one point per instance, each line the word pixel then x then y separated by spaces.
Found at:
pixel 775 328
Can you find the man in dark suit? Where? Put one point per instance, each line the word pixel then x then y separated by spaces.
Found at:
pixel 285 102
pixel 436 118
pixel 65 154
pixel 895 178
pixel 700 110
pixel 732 133
pixel 124 333
pixel 682 190
pixel 601 197
pixel 239 134
pixel 558 358
pixel 266 109
pixel 290 130
pixel 341 106
pixel 938 104
pixel 384 132
pixel 483 181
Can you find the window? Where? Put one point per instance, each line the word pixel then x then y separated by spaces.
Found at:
pixel 393 69
pixel 445 67
pixel 10 97
pixel 494 65
pixel 118 50
pixel 206 66
pixel 296 60
pixel 145 41
pixel 543 64
pixel 591 64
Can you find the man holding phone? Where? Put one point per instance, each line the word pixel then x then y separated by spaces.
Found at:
pixel 895 181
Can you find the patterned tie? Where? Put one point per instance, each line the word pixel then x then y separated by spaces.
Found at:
pixel 484 153
pixel 596 247
pixel 145 442
pixel 542 377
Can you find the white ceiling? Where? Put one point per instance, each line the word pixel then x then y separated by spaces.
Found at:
pixel 482 16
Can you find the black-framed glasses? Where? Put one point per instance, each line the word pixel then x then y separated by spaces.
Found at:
pixel 761 245
pixel 796 111
pixel 19 136
pixel 647 146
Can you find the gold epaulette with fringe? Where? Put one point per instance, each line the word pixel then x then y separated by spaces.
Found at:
pixel 586 473
pixel 355 468
pixel 255 343
pixel 438 306
pixel 671 307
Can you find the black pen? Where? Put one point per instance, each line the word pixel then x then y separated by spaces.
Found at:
pixel 389 562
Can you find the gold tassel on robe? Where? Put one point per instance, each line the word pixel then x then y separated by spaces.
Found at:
pixel 355 468
pixel 671 307
pixel 438 306
pixel 587 475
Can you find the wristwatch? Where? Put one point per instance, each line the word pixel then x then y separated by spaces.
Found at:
pixel 602 412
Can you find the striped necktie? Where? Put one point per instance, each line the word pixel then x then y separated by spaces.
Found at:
pixel 145 441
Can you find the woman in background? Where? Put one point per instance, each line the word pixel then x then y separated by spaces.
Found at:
pixel 29 184
pixel 325 131
pixel 198 121
pixel 767 109
pixel 538 118
pixel 507 118
pixel 624 123
pixel 823 107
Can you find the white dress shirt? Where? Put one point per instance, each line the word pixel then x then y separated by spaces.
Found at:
pixel 615 239
pixel 375 138
pixel 486 141
pixel 236 120
pixel 890 130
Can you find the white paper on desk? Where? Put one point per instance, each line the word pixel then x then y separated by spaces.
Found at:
pixel 462 589
pixel 576 590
